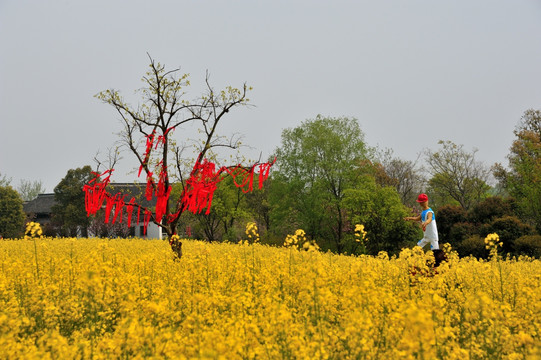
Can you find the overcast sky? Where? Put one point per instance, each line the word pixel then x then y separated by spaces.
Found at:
pixel 412 72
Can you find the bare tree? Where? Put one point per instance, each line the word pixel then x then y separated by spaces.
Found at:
pixel 29 190
pixel 113 157
pixel 405 176
pixel 148 134
pixel 409 181
pixel 4 180
pixel 457 175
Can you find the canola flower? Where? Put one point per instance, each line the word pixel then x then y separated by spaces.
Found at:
pixel 492 242
pixel 252 233
pixel 299 241
pixel 360 234
pixel 129 298
pixel 361 238
pixel 296 240
pixel 33 230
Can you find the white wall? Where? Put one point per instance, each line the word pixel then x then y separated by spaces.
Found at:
pixel 153 231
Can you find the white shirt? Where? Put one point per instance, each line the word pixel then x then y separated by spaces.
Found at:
pixel 431 231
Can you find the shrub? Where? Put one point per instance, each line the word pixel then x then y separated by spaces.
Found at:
pixel 446 217
pixel 459 232
pixel 11 213
pixel 491 208
pixel 472 245
pixel 49 230
pixel 381 211
pixel 509 228
pixel 528 245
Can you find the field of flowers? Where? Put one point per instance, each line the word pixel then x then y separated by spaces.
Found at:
pixel 128 298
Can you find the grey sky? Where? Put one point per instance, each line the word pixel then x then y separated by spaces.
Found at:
pixel 412 72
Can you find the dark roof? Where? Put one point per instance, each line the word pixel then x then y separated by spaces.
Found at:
pixel 132 190
pixel 40 205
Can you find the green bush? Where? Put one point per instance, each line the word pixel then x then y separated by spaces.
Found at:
pixel 381 211
pixel 446 217
pixel 472 245
pixel 11 213
pixel 491 208
pixel 528 245
pixel 508 228
pixel 459 232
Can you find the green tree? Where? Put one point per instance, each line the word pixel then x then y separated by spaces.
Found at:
pixel 11 213
pixel 456 177
pixel 523 179
pixel 69 212
pixel 228 214
pixel 318 161
pixel 380 210
pixel 258 206
pixel 295 205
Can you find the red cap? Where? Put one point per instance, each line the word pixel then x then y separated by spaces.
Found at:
pixel 422 198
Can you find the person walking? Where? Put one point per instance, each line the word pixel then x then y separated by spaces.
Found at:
pixel 428 224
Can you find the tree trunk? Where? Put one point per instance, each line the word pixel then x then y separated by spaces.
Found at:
pixel 174 240
pixel 176 246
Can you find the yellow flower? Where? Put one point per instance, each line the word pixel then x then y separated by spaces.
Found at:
pixel 299 241
pixel 128 298
pixel 33 230
pixel 360 233
pixel 492 242
pixel 252 232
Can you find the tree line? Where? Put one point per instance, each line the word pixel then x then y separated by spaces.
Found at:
pixel 326 180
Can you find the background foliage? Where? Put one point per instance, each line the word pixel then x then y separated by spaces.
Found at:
pixel 327 179
pixel 11 213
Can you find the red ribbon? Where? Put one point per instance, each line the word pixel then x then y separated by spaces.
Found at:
pixel 200 187
pixel 197 195
pixel 162 195
pixel 146 221
pixel 95 192
pixel 129 211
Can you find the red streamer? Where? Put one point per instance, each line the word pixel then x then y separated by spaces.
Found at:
pixel 119 206
pixel 129 211
pixel 162 195
pixel 200 187
pixel 203 182
pixel 146 221
pixel 150 186
pixel 109 203
pixel 264 170
pixel 198 191
pixel 95 192
pixel 150 141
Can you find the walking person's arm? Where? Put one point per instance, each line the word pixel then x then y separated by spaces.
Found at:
pixel 427 221
pixel 413 218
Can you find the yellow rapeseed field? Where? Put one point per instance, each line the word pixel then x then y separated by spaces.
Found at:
pixel 128 298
